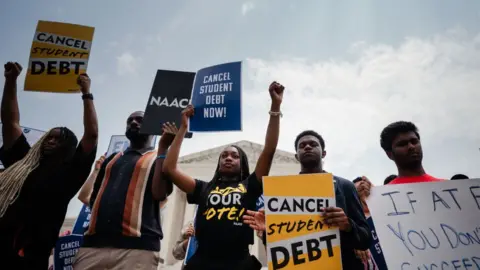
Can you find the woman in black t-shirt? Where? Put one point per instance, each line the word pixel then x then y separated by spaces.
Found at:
pixel 222 237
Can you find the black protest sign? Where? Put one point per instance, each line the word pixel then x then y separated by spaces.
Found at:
pixel 170 94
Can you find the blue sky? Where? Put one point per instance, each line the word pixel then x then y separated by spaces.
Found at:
pixel 349 67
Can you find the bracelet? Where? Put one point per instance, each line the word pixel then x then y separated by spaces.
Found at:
pixel 87 96
pixel 161 156
pixel 275 113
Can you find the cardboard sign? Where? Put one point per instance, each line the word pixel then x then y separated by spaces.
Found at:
pixel 260 202
pixel 82 222
pixel 192 243
pixel 65 250
pixel 428 225
pixel 375 248
pixel 121 143
pixel 60 52
pixel 170 94
pixel 217 98
pixel 297 237
pixel 32 135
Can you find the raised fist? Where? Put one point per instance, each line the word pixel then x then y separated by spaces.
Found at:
pixel 276 93
pixel 12 70
pixel 84 82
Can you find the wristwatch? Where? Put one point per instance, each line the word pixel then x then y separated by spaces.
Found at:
pixel 87 96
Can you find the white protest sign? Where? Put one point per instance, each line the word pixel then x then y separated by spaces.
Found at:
pixel 32 136
pixel 120 143
pixel 428 225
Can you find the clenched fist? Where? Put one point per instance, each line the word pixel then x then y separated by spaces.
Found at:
pixel 12 70
pixel 84 82
pixel 276 93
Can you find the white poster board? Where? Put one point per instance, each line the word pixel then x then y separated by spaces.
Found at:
pixel 120 143
pixel 428 225
pixel 32 135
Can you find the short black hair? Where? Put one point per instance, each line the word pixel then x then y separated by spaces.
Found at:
pixel 309 133
pixel 391 131
pixel 459 177
pixel 389 179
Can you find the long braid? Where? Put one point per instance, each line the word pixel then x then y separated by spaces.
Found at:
pixel 13 178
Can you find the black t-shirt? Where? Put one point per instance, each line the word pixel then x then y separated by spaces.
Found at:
pixel 34 220
pixel 219 228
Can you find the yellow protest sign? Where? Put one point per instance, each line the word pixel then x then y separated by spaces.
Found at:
pixel 297 237
pixel 59 53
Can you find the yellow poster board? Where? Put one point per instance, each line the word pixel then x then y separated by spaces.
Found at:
pixel 297 237
pixel 59 53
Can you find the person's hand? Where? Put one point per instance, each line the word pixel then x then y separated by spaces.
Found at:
pixel 99 162
pixel 65 233
pixel 84 82
pixel 169 132
pixel 276 93
pixel 256 220
pixel 190 231
pixel 12 70
pixel 364 187
pixel 186 114
pixel 335 216
pixel 363 255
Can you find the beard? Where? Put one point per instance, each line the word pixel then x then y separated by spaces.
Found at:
pixel 135 137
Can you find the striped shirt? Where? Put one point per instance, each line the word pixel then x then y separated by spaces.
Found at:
pixel 124 214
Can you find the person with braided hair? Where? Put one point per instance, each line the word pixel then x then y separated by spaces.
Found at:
pixel 39 180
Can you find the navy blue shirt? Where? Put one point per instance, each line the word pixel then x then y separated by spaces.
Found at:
pixel 127 216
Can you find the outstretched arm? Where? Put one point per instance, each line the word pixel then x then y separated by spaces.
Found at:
pixel 90 121
pixel 87 188
pixel 10 113
pixel 161 187
pixel 264 162
pixel 184 182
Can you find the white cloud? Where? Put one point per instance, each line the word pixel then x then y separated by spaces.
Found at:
pixel 247 7
pixel 127 64
pixel 432 82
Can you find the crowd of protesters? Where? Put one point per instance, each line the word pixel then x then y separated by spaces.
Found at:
pixel 125 191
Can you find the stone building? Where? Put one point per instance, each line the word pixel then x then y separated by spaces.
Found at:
pixel 201 165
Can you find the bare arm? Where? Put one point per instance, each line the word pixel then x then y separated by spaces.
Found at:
pixel 90 120
pixel 264 162
pixel 184 182
pixel 159 183
pixel 87 188
pixel 10 113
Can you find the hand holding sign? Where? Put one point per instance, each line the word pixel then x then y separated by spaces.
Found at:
pixel 186 114
pixel 335 216
pixel 276 93
pixel 169 131
pixel 190 231
pixel 12 70
pixel 364 188
pixel 84 82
